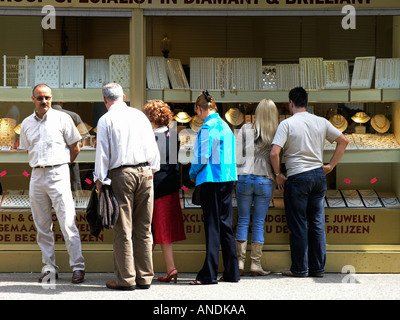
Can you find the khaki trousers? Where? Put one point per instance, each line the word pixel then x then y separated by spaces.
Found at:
pixel 133 240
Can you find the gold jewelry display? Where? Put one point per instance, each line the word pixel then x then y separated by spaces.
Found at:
pixel 17 129
pixel 363 72
pixel 336 74
pixel 182 117
pixel 354 202
pixel 361 117
pixel 350 193
pixel 234 116
pixel 339 122
pixel 380 123
pixel 333 194
pixel 196 123
pixel 311 73
pixel 391 202
pixel 7 133
pixel 335 202
pixel 368 193
pixel 372 202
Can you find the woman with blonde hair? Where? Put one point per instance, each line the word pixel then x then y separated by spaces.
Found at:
pixel 167 225
pixel 255 182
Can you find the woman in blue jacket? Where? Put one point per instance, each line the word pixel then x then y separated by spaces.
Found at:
pixel 214 168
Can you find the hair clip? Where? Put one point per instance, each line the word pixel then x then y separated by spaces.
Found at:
pixel 207 95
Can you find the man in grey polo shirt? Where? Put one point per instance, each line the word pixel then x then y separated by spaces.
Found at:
pixel 302 138
pixel 51 139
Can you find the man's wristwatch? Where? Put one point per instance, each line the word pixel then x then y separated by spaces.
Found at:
pixel 277 174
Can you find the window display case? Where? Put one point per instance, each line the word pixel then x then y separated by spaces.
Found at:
pixel 362 204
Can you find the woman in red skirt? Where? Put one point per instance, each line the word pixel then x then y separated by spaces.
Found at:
pixel 167 215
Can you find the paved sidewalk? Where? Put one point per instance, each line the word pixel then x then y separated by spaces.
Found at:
pixel 17 286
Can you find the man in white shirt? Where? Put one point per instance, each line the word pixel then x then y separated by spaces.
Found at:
pixel 302 139
pixel 51 139
pixel 126 158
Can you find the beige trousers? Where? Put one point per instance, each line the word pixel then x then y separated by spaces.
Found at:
pixel 52 186
pixel 133 260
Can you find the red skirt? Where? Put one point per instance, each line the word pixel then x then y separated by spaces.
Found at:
pixel 168 220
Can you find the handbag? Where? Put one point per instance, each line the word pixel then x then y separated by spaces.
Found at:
pixel 196 195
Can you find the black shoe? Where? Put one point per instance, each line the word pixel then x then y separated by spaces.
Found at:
pixel 317 275
pixel 291 274
pixel 142 286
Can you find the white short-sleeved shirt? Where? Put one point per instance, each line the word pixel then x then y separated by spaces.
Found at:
pixel 48 139
pixel 302 138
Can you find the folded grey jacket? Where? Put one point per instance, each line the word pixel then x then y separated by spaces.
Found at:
pixel 102 210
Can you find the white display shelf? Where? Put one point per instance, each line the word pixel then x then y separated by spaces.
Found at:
pixel 220 96
pixel 59 95
pixel 350 156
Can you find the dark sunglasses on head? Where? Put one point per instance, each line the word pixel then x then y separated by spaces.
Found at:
pixel 43 98
pixel 207 95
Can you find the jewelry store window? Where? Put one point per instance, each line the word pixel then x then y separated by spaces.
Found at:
pixel 75 59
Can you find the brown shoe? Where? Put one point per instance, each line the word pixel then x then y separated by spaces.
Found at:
pixel 46 274
pixel 78 276
pixel 112 284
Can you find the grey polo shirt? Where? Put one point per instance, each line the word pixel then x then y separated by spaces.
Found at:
pixel 302 138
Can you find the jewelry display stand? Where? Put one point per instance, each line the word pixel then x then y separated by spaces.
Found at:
pixel 380 123
pixel 288 76
pixel 11 70
pixel 120 69
pixel 387 74
pixel 81 198
pixel 339 122
pixel 249 73
pixel 389 199
pixel 311 73
pixel 47 70
pixel 7 133
pixel 336 74
pixel 26 73
pixel 15 201
pixel 156 73
pixel 334 199
pixel 202 73
pixel 352 198
pixel 176 74
pixel 71 71
pixel 97 73
pixel 269 78
pixel 363 73
pixel 370 198
pixel 226 70
pixel 226 74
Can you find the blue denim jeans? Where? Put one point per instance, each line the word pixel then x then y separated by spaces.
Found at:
pixel 304 195
pixel 252 189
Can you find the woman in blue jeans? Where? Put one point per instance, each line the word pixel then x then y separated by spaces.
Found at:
pixel 255 182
